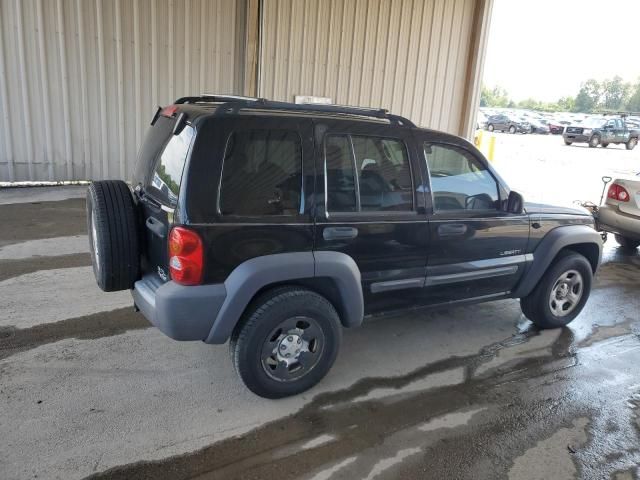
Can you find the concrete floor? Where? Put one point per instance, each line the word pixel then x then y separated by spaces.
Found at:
pixel 88 388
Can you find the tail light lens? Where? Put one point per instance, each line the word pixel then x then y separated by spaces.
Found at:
pixel 185 256
pixel 618 192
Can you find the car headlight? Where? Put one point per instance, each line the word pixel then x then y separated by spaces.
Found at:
pixel 587 131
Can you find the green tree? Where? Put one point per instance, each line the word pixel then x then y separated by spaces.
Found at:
pixel 566 104
pixel 633 105
pixel 494 97
pixel 588 98
pixel 615 94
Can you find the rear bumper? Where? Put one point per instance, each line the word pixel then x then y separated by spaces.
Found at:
pixel 180 312
pixel 612 220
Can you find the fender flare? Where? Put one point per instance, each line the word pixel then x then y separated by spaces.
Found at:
pixel 548 249
pixel 251 276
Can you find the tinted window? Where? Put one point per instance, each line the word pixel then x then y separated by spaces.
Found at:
pixel 459 181
pixel 341 183
pixel 167 175
pixel 262 173
pixel 383 173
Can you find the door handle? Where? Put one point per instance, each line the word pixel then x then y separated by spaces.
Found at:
pixel 156 226
pixel 339 233
pixel 452 229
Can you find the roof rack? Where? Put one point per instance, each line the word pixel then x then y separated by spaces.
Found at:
pixel 234 103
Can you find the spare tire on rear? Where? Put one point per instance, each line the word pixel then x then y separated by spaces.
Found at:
pixel 113 235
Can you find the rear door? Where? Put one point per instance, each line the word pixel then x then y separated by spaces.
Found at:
pixel 477 250
pixel 157 183
pixel 622 133
pixel 371 207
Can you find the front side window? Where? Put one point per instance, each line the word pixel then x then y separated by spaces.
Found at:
pixel 459 181
pixel 167 175
pixel 367 174
pixel 262 174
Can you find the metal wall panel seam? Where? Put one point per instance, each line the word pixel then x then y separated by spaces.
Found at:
pixel 24 89
pixel 187 47
pixel 451 53
pixel 340 66
pixel 456 115
pixel 4 102
pixel 316 53
pixel 435 36
pixel 171 41
pixel 421 67
pixel 65 88
pixel 103 94
pixel 136 72
pixel 44 91
pixel 120 90
pixel 426 61
pixel 203 44
pixel 290 59
pixel 154 53
pixel 84 96
pixel 305 30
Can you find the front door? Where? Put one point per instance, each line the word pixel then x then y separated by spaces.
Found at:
pixel 477 249
pixel 371 209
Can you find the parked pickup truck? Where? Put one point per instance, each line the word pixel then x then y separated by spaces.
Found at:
pixel 602 131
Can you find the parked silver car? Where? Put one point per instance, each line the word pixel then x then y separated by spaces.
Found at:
pixel 620 213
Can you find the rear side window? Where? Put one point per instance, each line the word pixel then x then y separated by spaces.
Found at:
pixel 262 174
pixel 367 174
pixel 167 175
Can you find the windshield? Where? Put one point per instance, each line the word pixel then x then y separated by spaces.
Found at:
pixel 594 122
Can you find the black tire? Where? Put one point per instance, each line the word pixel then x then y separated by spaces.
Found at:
pixel 490 127
pixel 537 305
pixel 594 141
pixel 263 325
pixel 631 144
pixel 512 130
pixel 604 145
pixel 113 235
pixel 627 243
pixel 566 142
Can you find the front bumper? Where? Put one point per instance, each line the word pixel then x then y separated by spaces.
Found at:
pixel 612 220
pixel 576 137
pixel 178 311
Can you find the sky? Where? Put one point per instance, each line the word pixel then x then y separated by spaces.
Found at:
pixel 546 48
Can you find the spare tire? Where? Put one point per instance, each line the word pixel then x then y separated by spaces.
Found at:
pixel 113 235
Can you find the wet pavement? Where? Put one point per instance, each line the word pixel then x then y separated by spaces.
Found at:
pixel 87 388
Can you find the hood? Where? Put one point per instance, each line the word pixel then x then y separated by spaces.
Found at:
pixel 541 208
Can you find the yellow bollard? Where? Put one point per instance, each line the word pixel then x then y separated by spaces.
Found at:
pixel 492 147
pixel 478 138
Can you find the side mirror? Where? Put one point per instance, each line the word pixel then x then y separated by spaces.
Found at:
pixel 515 203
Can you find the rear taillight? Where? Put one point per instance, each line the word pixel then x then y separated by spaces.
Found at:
pixel 185 256
pixel 618 192
pixel 169 111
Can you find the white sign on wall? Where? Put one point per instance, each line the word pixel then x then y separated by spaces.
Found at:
pixel 312 99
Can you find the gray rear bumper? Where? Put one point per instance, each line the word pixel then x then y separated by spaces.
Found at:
pixel 180 312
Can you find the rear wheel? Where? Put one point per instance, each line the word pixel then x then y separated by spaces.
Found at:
pixel 631 144
pixel 594 141
pixel 561 293
pixel 512 129
pixel 490 128
pixel 604 145
pixel 627 243
pixel 286 342
pixel 567 142
pixel 113 235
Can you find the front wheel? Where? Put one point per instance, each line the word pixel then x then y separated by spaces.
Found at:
pixel 594 141
pixel 631 144
pixel 286 342
pixel 627 243
pixel 561 293
pixel 490 128
pixel 567 142
pixel 512 129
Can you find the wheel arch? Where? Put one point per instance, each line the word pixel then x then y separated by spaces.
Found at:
pixel 333 275
pixel 580 239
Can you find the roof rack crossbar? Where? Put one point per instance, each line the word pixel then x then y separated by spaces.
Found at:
pixel 233 104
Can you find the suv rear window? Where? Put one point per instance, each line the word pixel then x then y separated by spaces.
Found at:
pixel 167 175
pixel 262 174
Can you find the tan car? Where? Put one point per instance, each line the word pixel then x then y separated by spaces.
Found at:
pixel 620 213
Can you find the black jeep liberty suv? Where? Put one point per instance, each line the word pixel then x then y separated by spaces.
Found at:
pixel 273 225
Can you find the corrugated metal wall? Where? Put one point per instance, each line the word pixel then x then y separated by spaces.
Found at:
pixel 409 56
pixel 80 79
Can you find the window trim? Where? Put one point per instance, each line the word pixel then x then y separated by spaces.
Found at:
pixel 413 212
pixel 301 207
pixel 458 212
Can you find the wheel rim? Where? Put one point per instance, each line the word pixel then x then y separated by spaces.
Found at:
pixel 94 240
pixel 292 349
pixel 594 141
pixel 566 293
